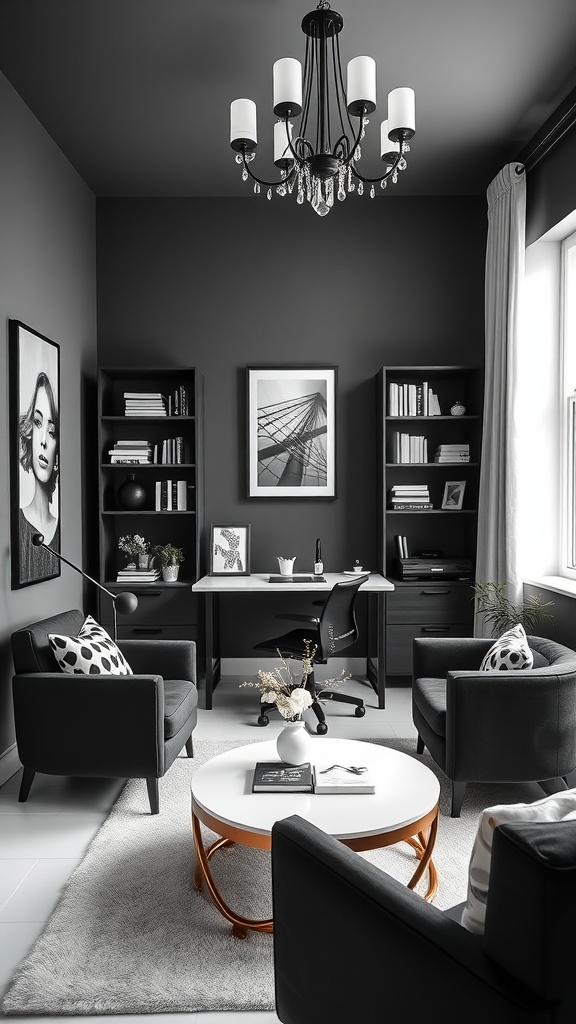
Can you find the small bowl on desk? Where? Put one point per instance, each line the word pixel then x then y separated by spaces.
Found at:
pixel 357 568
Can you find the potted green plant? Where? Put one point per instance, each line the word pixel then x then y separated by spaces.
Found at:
pixel 493 603
pixel 169 559
pixel 135 546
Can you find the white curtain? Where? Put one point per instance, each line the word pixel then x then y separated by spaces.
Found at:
pixel 497 552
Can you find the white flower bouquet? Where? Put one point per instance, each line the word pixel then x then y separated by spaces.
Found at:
pixel 134 545
pixel 286 691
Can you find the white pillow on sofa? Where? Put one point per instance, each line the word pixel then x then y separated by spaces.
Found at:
pixel 510 651
pixel 556 807
pixel 92 652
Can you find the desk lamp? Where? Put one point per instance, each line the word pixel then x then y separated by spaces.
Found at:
pixel 125 602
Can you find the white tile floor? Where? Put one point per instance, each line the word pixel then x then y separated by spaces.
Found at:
pixel 42 840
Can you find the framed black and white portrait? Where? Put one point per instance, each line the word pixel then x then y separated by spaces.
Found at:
pixel 34 454
pixel 230 549
pixel 291 432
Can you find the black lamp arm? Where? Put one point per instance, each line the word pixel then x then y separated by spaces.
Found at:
pixel 38 542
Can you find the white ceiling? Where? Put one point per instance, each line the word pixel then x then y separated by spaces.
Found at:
pixel 136 92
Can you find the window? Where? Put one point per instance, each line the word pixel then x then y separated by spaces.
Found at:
pixel 568 407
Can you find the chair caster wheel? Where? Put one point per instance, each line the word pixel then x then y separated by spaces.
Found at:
pixel 263 720
pixel 360 712
pixel 321 728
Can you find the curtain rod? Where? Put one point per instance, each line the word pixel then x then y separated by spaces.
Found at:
pixel 552 137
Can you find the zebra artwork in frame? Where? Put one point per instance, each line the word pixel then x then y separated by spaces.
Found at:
pixel 291 432
pixel 229 549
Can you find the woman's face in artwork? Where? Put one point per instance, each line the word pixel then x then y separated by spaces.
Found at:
pixel 44 441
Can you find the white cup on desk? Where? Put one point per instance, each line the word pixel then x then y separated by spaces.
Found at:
pixel 286 566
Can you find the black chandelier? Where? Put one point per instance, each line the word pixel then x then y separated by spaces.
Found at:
pixel 323 169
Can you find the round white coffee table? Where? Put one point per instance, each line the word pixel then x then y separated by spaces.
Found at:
pixel 404 808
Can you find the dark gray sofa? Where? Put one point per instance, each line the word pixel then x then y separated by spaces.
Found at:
pixel 353 944
pixel 97 725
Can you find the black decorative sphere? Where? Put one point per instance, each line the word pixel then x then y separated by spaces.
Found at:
pixel 131 494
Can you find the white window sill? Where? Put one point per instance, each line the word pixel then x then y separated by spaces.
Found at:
pixel 557 584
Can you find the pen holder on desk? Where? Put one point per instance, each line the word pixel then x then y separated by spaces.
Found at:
pixel 286 565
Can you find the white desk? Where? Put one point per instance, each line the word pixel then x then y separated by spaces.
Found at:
pixel 210 588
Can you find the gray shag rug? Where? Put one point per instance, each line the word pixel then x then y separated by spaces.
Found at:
pixel 130 933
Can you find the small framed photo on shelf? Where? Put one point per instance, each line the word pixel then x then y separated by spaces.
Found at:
pixel 229 549
pixel 453 494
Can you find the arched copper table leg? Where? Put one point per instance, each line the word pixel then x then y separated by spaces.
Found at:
pixel 240 924
pixel 424 845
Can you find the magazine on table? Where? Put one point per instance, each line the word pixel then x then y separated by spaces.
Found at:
pixel 337 778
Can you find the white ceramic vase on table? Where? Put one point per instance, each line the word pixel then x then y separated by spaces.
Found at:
pixel 293 743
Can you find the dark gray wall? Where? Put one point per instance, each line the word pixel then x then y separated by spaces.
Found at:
pixel 224 283
pixel 48 281
pixel 551 189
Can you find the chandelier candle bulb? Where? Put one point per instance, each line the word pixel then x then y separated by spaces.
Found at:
pixel 388 149
pixel 282 152
pixel 243 123
pixel 287 79
pixel 361 86
pixel 402 110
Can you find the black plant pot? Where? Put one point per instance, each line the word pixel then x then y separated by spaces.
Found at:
pixel 131 494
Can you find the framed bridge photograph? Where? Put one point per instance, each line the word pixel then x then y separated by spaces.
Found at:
pixel 291 432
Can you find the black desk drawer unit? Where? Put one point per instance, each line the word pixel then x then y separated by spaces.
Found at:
pixel 164 612
pixel 424 609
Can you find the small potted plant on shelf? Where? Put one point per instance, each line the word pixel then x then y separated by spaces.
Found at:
pixel 135 546
pixel 169 558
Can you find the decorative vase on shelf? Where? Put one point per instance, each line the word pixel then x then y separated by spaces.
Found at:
pixel 131 494
pixel 170 573
pixel 457 409
pixel 293 743
pixel 143 561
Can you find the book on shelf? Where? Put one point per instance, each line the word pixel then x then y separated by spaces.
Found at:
pixel 143 413
pixel 129 460
pixel 410 506
pixel 277 777
pixel 401 545
pixel 142 394
pixel 138 576
pixel 409 448
pixel 412 400
pixel 342 779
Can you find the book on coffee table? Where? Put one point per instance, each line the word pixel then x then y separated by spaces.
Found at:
pixel 277 777
pixel 342 779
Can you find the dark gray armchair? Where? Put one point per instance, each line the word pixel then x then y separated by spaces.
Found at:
pixel 384 953
pixel 516 726
pixel 98 725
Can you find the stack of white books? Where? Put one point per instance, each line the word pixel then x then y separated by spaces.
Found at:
pixel 410 496
pixel 144 403
pixel 452 453
pixel 138 575
pixel 125 453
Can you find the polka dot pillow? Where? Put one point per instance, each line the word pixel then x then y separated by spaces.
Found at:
pixel 511 651
pixel 92 652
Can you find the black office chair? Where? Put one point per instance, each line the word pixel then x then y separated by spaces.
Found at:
pixel 332 632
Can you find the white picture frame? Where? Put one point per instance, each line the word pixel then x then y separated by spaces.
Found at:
pixel 291 442
pixel 453 495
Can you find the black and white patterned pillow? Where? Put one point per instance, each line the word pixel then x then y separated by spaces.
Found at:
pixel 511 651
pixel 92 652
